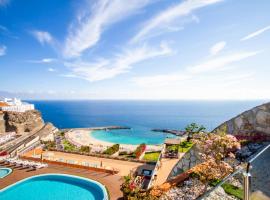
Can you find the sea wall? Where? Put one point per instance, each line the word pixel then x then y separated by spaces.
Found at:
pixel 253 124
pixel 21 122
pixel 189 160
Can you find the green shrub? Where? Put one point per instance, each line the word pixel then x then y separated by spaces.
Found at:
pixel 229 189
pixel 49 144
pixel 233 190
pixel 185 146
pixel 68 146
pixel 85 149
pixel 173 147
pixel 112 150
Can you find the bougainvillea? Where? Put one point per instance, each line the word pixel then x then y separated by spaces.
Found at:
pixel 139 151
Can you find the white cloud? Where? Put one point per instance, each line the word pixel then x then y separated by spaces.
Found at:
pixel 170 15
pixel 43 36
pixel 220 62
pixel 44 60
pixel 213 65
pixel 51 70
pixel 216 48
pixel 256 33
pixel 3 50
pixel 87 30
pixel 121 63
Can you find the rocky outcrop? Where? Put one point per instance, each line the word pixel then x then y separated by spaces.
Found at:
pixel 21 122
pixel 47 132
pixel 253 124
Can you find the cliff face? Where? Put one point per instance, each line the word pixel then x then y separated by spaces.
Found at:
pixel 23 122
pixel 253 124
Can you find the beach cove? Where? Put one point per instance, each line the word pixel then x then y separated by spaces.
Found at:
pixel 83 137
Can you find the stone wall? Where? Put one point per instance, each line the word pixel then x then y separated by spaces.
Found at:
pixel 189 160
pixel 253 124
pixel 23 122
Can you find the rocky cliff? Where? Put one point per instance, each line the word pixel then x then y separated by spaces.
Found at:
pixel 23 122
pixel 253 124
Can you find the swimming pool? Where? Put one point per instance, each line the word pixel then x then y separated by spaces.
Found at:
pixel 131 136
pixel 55 187
pixel 4 172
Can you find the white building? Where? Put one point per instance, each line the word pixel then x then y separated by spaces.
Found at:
pixel 15 105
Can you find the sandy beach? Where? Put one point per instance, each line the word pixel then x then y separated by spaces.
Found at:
pixel 81 137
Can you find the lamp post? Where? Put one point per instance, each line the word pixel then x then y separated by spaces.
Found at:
pixel 247 178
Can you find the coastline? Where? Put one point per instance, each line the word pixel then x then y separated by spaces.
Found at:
pixel 82 137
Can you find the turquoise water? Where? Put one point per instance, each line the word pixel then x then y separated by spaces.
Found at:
pixel 54 187
pixel 133 136
pixel 141 116
pixel 4 172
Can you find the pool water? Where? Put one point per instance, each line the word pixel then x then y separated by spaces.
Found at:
pixel 131 136
pixel 55 187
pixel 4 172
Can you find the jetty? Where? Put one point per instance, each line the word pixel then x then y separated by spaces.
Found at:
pixel 174 132
pixel 97 128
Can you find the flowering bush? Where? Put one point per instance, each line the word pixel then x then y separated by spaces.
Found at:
pixel 216 146
pixel 139 151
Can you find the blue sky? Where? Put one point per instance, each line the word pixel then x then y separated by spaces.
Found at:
pixel 135 49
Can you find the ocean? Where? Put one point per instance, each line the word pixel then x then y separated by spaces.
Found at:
pixel 141 116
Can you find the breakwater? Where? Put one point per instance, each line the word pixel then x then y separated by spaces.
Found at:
pixel 98 128
pixel 174 132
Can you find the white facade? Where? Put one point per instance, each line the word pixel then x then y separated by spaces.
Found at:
pixel 16 105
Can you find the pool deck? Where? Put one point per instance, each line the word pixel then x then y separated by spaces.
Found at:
pixel 112 182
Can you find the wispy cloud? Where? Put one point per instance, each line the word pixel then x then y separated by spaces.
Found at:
pixel 51 69
pixel 6 32
pixel 216 48
pixel 256 33
pixel 43 36
pixel 213 65
pixel 87 30
pixel 121 63
pixel 164 19
pixel 3 50
pixel 44 60
pixel 220 62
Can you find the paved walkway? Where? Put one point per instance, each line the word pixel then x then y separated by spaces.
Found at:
pixel 163 172
pixel 124 167
pixel 112 182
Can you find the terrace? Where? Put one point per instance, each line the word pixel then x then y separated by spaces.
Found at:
pixel 112 182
